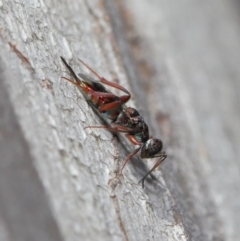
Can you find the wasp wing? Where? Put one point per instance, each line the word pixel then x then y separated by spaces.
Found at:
pixel 96 85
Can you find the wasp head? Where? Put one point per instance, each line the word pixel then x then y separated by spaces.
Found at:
pixel 152 148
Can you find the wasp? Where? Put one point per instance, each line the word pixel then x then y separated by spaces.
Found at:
pixel 123 119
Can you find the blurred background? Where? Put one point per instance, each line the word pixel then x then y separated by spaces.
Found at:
pixel 193 49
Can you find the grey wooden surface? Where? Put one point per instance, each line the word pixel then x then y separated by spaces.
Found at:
pixel 180 60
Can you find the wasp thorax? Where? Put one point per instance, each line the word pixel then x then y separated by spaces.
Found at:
pixel 141 128
pixel 151 148
pixel 131 112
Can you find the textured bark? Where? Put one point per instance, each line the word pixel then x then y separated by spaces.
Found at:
pixel 180 61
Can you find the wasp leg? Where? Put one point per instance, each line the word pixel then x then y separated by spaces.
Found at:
pixel 116 128
pixel 129 157
pixel 114 85
pixel 95 93
pixel 71 81
pixel 164 156
pixel 104 81
pixel 110 106
pixel 133 139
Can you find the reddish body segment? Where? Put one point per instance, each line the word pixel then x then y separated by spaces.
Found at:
pixel 124 119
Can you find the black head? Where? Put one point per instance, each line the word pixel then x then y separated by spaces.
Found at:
pixel 152 148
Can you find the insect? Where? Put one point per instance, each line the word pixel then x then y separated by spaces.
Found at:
pixel 123 119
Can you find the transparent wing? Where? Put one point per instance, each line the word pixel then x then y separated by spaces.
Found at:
pixel 96 85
